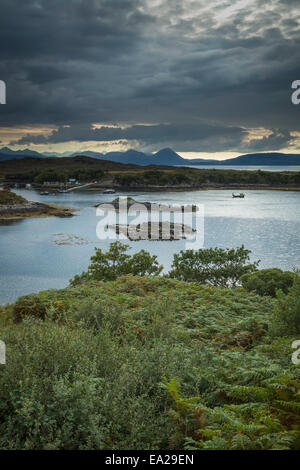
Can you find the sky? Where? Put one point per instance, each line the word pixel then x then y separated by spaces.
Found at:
pixel 208 79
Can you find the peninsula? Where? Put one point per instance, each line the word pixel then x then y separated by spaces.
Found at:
pixel 13 206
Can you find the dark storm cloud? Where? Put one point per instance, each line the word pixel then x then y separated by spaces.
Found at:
pixel 75 29
pixel 199 73
pixel 184 137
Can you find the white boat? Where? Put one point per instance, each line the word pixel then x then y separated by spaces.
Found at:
pixel 109 191
pixel 242 195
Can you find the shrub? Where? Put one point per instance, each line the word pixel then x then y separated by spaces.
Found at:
pixel 286 319
pixel 267 281
pixel 35 305
pixel 38 305
pixel 217 266
pixel 100 314
pixel 116 262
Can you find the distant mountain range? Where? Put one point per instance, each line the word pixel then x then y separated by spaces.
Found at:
pixel 8 154
pixel 165 156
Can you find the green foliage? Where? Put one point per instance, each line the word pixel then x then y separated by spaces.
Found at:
pixel 81 174
pixel 192 177
pixel 148 363
pixel 263 417
pixel 286 319
pixel 217 266
pixel 116 262
pixel 39 306
pixel 268 281
pixel 100 314
pixel 154 177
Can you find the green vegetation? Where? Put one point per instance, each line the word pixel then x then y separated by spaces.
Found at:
pixel 268 281
pixel 214 266
pixel 287 312
pixel 149 362
pixel 56 169
pixel 7 198
pixel 196 177
pixel 116 262
pixel 155 177
pixel 38 170
pixel 80 174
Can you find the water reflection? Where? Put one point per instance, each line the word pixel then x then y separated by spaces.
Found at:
pixel 9 222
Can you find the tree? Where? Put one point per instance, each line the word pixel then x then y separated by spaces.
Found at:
pixel 268 281
pixel 217 266
pixel 116 262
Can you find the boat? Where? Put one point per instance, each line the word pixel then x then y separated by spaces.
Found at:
pixel 109 191
pixel 63 191
pixel 241 195
pixel 44 193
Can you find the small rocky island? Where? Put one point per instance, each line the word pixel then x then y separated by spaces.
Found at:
pixel 153 231
pixel 13 206
pixel 126 203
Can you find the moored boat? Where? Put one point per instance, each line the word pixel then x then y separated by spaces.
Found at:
pixel 109 191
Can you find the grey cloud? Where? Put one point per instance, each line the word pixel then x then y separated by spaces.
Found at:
pixel 184 63
pixel 275 141
pixel 186 137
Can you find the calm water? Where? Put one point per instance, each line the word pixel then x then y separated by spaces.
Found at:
pixel 250 167
pixel 38 254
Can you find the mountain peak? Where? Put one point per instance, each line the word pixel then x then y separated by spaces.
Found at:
pixel 167 151
pixel 167 156
pixel 6 150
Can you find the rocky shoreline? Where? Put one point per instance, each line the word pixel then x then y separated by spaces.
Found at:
pixel 33 209
pixel 127 203
pixel 154 231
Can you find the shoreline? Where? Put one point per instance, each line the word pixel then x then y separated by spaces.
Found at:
pixel 153 231
pixel 33 209
pixel 193 188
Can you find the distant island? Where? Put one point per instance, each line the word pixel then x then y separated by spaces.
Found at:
pixel 165 156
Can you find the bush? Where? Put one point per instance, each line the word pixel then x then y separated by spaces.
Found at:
pixel 217 266
pixel 116 262
pixel 97 315
pixel 267 281
pixel 39 306
pixel 286 320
